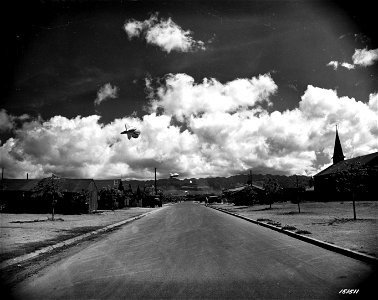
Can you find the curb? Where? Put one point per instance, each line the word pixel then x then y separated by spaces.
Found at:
pixel 70 241
pixel 347 252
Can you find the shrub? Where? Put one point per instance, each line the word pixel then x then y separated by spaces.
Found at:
pixel 289 227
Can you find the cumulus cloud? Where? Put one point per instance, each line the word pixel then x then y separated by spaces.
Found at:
pixel 334 64
pixel 133 28
pixel 373 102
pixel 107 91
pixel 181 97
pixel 347 65
pixel 6 122
pixel 364 57
pixel 163 33
pixel 223 131
pixel 9 122
pixel 361 58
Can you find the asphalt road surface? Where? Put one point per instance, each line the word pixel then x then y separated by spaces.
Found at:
pixel 191 251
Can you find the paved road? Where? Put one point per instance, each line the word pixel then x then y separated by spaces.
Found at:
pixel 191 251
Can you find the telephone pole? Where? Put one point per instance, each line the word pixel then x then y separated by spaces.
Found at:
pixel 297 194
pixel 155 183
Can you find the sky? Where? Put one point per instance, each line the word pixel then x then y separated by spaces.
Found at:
pixel 216 88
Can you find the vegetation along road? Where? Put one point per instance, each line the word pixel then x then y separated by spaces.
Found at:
pixel 192 251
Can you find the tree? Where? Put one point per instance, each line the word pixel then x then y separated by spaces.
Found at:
pixel 354 180
pixel 311 182
pixel 110 198
pixel 79 202
pixel 298 191
pixel 49 189
pixel 149 191
pixel 138 193
pixel 271 188
pixel 128 196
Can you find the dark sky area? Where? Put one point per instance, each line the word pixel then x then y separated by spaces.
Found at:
pixel 58 54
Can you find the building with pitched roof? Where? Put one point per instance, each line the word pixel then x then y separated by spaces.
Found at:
pixel 108 183
pixel 87 188
pixel 357 176
pixel 244 195
pixel 79 195
pixel 338 154
pixel 15 194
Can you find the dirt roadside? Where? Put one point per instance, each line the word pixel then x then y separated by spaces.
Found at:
pixel 74 227
pixel 25 233
pixel 14 274
pixel 331 222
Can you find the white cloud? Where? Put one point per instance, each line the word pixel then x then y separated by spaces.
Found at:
pixel 364 57
pixel 373 102
pixel 222 133
pixel 347 65
pixel 334 64
pixel 6 121
pixel 15 164
pixel 164 33
pixel 361 58
pixel 133 28
pixel 181 97
pixel 169 36
pixel 106 92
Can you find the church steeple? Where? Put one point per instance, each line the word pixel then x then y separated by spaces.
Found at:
pixel 337 150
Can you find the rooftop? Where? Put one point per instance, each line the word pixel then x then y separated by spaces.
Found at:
pixel 25 185
pixel 368 159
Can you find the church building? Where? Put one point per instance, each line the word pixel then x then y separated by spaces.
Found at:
pixel 356 176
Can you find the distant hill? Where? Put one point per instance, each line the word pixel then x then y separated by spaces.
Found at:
pixel 214 184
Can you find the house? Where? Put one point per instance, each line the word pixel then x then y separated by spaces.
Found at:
pixel 244 195
pixel 75 189
pixel 356 176
pixel 103 183
pixel 213 199
pixel 291 193
pixel 79 196
pixel 15 195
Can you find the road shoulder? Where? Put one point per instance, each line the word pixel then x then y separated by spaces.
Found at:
pixel 350 253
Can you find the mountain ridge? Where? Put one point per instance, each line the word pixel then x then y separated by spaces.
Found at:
pixel 216 184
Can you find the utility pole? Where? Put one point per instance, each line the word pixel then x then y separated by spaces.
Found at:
pixel 53 200
pixel 2 173
pixel 250 172
pixel 299 208
pixel 155 183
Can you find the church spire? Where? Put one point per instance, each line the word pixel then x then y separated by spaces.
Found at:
pixel 337 150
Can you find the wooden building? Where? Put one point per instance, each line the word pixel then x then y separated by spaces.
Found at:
pixel 15 195
pixel 18 195
pixel 244 195
pixel 345 178
pixel 87 188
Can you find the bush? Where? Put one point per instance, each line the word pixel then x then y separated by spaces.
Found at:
pixel 110 198
pixel 272 189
